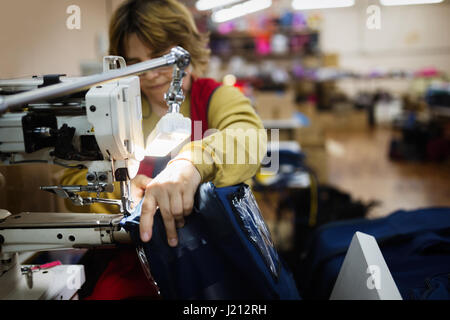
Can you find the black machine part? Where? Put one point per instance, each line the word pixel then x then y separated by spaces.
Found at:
pixel 40 131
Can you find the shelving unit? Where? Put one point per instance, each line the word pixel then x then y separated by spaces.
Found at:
pixel 244 44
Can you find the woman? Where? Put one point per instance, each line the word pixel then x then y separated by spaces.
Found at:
pixel 145 29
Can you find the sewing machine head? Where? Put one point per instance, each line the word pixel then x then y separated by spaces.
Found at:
pixel 92 122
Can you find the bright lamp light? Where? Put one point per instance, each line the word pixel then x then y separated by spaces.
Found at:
pixel 203 5
pixel 407 2
pixel 240 9
pixel 321 4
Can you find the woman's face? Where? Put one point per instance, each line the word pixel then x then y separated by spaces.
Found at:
pixel 154 83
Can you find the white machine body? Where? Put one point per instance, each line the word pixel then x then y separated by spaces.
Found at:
pixel 113 116
pixel 115 113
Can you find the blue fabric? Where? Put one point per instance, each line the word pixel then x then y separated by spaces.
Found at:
pixel 435 288
pixel 224 250
pixel 415 245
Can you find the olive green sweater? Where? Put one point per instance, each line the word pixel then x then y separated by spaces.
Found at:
pixel 230 155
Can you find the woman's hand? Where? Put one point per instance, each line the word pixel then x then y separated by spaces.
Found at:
pixel 138 185
pixel 173 192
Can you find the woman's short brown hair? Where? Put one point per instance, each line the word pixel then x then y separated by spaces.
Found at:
pixel 159 24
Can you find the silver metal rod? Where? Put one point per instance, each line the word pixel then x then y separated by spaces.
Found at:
pixel 59 89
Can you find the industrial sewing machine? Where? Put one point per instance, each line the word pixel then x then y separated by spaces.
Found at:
pixel 92 123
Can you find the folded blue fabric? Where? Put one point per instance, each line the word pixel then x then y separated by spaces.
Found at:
pixel 415 245
pixel 224 250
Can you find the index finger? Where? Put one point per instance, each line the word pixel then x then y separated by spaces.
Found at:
pixel 146 220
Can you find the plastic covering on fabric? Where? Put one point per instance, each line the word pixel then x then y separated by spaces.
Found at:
pixel 224 250
pixel 256 228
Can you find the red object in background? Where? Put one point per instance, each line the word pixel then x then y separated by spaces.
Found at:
pixel 312 98
pixel 438 149
pixel 297 43
pixel 245 86
pixel 47 265
pixel 240 85
pixel 427 72
pixel 262 44
pixel 124 279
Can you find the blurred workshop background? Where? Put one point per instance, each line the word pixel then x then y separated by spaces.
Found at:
pixel 359 91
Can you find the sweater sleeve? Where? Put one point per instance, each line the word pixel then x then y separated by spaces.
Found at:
pixel 232 149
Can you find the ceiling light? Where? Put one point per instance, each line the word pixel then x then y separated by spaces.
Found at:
pixel 406 2
pixel 321 4
pixel 203 5
pixel 240 10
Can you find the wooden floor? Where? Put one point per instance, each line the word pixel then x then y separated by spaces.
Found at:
pixel 358 163
pixel 354 159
